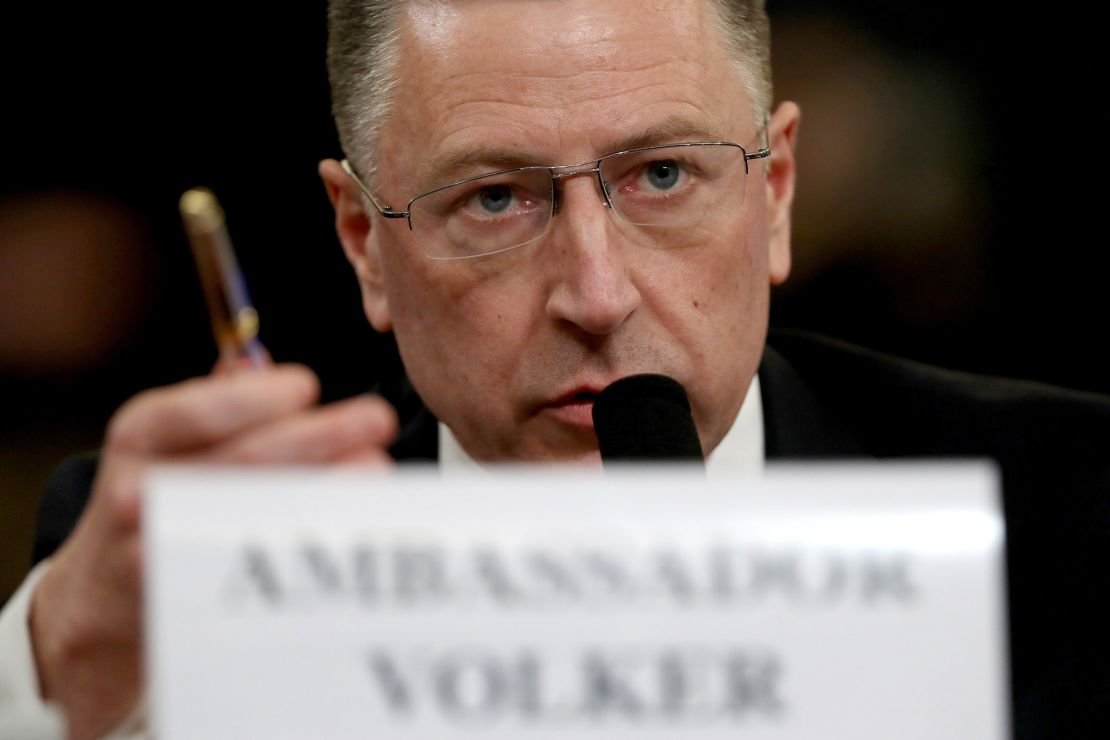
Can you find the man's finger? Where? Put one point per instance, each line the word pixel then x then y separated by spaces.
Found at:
pixel 354 426
pixel 227 366
pixel 374 457
pixel 206 411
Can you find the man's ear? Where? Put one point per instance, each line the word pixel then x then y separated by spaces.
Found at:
pixel 352 224
pixel 782 133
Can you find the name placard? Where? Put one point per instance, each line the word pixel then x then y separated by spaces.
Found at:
pixel 820 601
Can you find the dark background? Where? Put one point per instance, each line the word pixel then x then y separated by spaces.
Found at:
pixel 949 207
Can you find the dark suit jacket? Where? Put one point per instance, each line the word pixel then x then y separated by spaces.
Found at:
pixel 825 399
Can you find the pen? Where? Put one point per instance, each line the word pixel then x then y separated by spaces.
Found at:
pixel 233 317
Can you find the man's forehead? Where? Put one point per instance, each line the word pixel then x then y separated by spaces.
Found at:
pixel 561 37
pixel 549 79
pixel 554 25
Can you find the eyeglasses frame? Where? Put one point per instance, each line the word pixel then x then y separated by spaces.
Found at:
pixel 558 172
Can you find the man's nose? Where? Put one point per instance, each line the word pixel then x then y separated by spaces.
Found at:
pixel 592 285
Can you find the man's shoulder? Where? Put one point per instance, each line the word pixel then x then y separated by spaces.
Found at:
pixel 890 406
pixel 824 398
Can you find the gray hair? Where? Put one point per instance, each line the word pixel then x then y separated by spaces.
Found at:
pixel 363 55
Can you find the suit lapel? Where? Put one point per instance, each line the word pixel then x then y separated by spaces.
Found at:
pixel 796 422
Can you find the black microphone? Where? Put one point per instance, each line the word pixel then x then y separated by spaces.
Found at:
pixel 646 418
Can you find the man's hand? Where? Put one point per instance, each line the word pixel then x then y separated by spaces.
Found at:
pixel 85 621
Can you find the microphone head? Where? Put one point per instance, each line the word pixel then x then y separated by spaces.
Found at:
pixel 646 418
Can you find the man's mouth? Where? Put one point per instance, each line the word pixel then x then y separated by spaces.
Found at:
pixel 575 408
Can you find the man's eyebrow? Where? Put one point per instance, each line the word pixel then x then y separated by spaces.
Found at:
pixel 668 131
pixel 473 160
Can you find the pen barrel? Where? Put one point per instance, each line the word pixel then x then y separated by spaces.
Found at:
pixel 233 317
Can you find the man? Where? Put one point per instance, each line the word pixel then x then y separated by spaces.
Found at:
pixel 516 298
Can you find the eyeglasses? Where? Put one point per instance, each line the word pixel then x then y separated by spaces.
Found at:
pixel 672 185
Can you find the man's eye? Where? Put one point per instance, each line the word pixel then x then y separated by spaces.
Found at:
pixel 662 174
pixel 494 198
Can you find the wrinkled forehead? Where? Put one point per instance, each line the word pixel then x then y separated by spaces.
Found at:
pixel 561 79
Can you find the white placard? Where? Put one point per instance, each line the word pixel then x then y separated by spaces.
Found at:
pixel 817 601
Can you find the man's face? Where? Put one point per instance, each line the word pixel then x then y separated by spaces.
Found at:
pixel 506 349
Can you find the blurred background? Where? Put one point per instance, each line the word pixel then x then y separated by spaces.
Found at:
pixel 951 177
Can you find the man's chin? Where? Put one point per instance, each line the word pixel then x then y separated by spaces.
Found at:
pixel 572 447
pixel 587 455
pixel 545 439
pixel 584 459
pixel 562 442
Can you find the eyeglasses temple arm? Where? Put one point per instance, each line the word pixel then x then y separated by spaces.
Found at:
pixel 386 211
pixel 764 151
pixel 761 153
